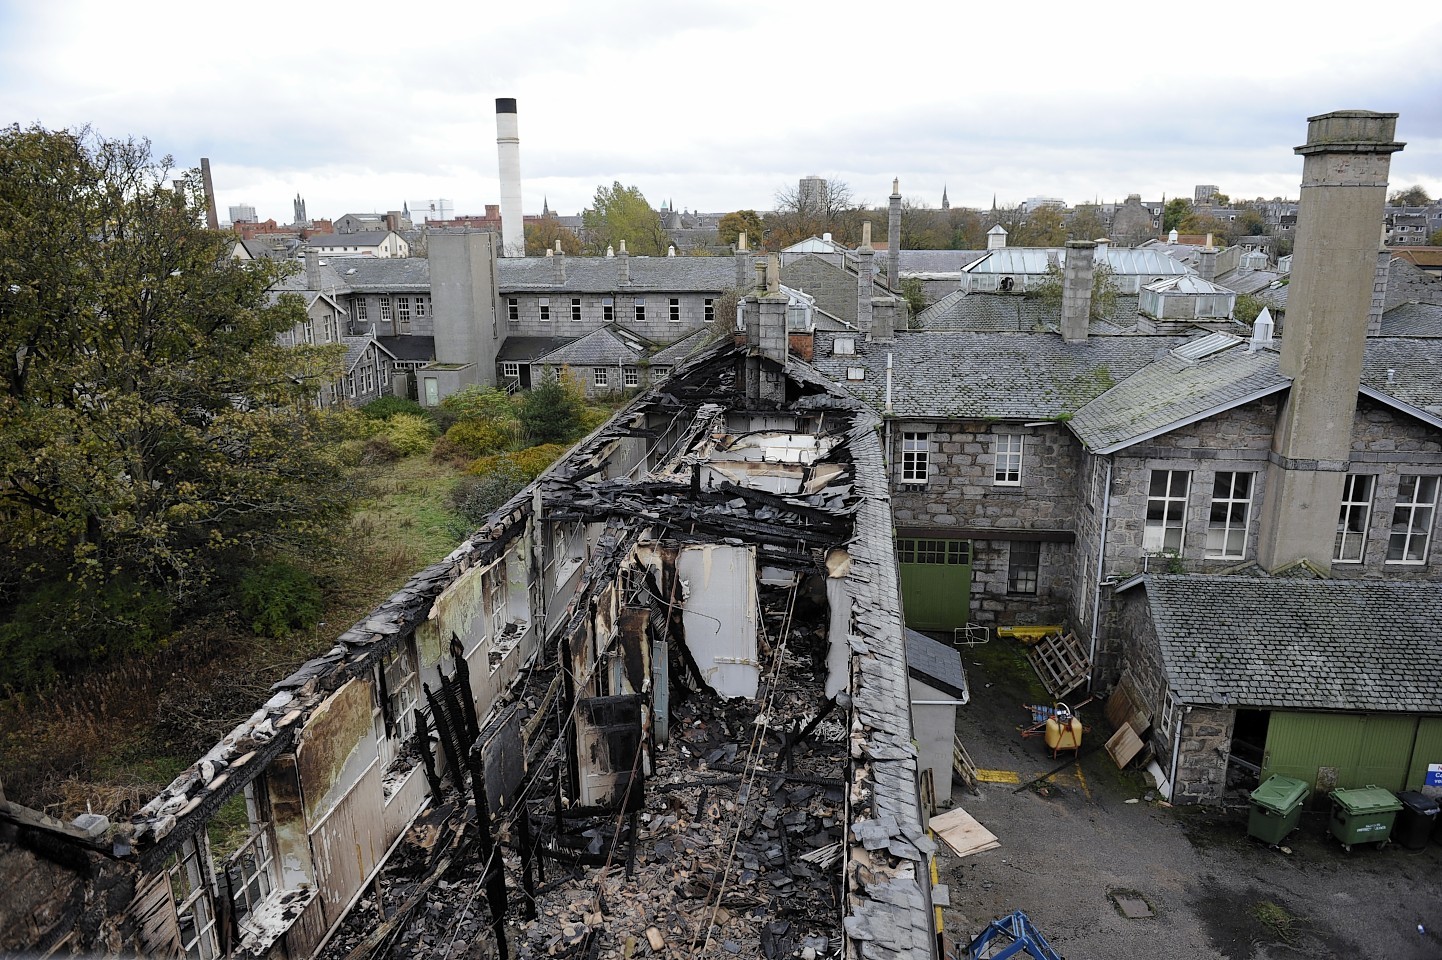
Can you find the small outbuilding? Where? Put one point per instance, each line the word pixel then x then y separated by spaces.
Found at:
pixel 938 687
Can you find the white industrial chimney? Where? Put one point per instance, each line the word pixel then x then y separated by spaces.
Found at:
pixel 508 147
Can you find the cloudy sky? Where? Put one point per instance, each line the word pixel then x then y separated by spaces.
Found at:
pixel 360 106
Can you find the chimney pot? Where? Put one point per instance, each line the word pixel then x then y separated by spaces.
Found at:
pixel 865 233
pixel 741 242
pixel 623 248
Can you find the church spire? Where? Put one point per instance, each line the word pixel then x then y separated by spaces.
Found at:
pixel 945 203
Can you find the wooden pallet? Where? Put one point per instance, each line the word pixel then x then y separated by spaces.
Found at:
pixel 1060 662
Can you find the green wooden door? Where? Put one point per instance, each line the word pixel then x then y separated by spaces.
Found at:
pixel 935 582
pixel 1329 750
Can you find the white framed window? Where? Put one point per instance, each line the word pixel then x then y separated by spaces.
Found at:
pixel 843 347
pixel 386 311
pixel 915 454
pixel 709 306
pixel 360 309
pixel 1412 519
pixel 1006 471
pixel 1023 566
pixel 545 305
pixel 513 310
pixel 403 312
pixel 1098 482
pixel 1166 511
pixel 1355 518
pixel 641 309
pixel 1230 512
pixel 511 369
pixel 660 373
pixel 600 376
pixel 631 377
pixel 575 309
pixel 675 315
pixel 608 309
pixel 420 307
pixel 189 877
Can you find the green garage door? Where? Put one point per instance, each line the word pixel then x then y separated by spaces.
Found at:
pixel 1329 750
pixel 935 582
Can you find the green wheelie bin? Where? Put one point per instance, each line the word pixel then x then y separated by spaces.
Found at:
pixel 1363 815
pixel 1276 808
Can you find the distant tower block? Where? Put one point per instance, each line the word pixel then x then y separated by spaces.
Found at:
pixel 508 147
pixel 811 194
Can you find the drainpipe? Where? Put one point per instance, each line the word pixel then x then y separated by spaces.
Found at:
pixel 1101 558
pixel 887 420
pixel 1176 753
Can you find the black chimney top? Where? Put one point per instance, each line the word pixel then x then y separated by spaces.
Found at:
pixel 505 104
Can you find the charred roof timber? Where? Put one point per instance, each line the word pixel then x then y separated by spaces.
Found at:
pixel 658 701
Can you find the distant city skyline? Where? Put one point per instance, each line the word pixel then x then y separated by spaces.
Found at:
pixel 719 107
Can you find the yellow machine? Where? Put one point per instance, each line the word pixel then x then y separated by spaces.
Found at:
pixel 1063 730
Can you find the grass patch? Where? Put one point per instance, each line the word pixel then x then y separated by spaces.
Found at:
pixel 1277 920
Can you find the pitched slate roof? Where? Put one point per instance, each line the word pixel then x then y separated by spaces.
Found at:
pixel 384 274
pixel 1413 320
pixel 409 347
pixel 1009 376
pixel 1249 281
pixel 682 348
pixel 1300 644
pixel 602 275
pixel 599 348
pixel 936 664
pixel 1416 377
pixel 355 349
pixel 1001 312
pixel 937 261
pixel 1171 392
pixel 531 348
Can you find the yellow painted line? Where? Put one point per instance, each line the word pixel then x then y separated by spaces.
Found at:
pixel 998 776
pixel 1083 781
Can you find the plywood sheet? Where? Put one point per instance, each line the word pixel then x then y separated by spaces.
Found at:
pixel 1124 745
pixel 961 832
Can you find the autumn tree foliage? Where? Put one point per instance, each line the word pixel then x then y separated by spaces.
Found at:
pixel 155 438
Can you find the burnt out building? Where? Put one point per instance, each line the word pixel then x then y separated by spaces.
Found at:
pixel 658 705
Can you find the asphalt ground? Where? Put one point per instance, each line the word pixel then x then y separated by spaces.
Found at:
pixel 1078 845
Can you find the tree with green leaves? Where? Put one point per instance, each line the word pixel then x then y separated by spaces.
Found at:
pixel 738 222
pixel 620 213
pixel 551 412
pixel 155 437
pixel 1176 210
pixel 1086 223
pixel 1414 196
pixel 544 233
pixel 1436 239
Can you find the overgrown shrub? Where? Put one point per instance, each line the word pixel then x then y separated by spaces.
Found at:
pixel 409 434
pixel 442 418
pixel 479 437
pixel 475 497
pixel 379 449
pixel 551 412
pixel 593 417
pixel 481 403
pixel 383 408
pixel 60 627
pixel 529 462
pixel 278 598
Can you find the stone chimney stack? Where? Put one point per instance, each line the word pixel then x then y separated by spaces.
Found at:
pixel 312 270
pixel 1346 160
pixel 764 312
pixel 864 281
pixel 1076 290
pixel 508 149
pixel 559 261
pixel 743 263
pixel 1379 292
pixel 212 220
pixel 623 266
pixel 1207 262
pixel 893 238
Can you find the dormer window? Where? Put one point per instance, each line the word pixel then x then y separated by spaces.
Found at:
pixel 843 346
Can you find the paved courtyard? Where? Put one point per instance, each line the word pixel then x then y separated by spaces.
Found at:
pixel 1084 847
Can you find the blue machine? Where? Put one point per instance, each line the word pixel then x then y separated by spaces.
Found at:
pixel 1011 936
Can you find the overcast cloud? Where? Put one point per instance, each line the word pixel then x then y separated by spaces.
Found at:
pixel 361 106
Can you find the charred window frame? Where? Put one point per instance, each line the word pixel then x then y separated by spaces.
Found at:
pixel 397 693
pixel 188 871
pixel 250 870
